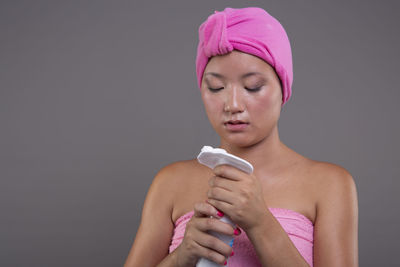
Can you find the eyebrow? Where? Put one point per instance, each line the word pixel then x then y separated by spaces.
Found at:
pixel 222 76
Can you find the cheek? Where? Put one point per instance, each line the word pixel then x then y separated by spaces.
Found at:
pixel 259 108
pixel 264 107
pixel 212 103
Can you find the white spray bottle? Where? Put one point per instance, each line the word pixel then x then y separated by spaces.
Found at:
pixel 213 157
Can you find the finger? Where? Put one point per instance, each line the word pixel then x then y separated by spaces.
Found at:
pixel 222 206
pixel 205 210
pixel 218 181
pixel 221 194
pixel 209 254
pixel 215 249
pixel 213 224
pixel 228 172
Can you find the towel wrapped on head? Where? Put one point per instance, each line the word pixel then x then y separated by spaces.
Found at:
pixel 250 30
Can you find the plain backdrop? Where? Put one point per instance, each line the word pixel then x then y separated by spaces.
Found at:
pixel 97 96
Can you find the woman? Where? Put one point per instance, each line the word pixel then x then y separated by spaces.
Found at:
pixel 291 211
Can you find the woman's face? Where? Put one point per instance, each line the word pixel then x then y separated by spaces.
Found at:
pixel 248 90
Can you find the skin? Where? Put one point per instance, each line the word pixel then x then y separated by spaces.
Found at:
pixel 323 192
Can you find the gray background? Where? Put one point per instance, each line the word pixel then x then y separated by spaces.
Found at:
pixel 97 96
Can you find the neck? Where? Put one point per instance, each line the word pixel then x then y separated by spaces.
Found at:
pixel 266 155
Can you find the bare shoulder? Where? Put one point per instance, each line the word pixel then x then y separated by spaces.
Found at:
pixel 167 182
pixel 156 227
pixel 175 172
pixel 186 183
pixel 336 191
pixel 170 173
pixel 336 224
pixel 331 177
pixel 179 178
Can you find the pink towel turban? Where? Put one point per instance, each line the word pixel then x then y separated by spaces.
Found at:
pixel 251 30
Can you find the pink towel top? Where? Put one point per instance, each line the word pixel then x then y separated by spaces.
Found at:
pixel 251 30
pixel 298 227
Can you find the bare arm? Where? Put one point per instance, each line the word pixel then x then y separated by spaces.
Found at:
pixel 153 238
pixel 336 227
pixel 156 227
pixel 273 246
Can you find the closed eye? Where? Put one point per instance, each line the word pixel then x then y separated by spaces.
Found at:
pixel 215 89
pixel 254 89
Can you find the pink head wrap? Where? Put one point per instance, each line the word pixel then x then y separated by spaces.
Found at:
pixel 251 30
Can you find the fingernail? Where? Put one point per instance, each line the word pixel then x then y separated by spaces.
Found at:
pixel 220 213
pixel 232 253
pixel 237 232
pixel 225 263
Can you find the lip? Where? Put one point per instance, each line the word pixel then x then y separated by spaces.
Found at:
pixel 235 121
pixel 236 127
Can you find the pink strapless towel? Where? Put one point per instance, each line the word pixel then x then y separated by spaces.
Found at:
pixel 298 227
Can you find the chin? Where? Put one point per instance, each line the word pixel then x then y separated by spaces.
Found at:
pixel 238 140
pixel 242 140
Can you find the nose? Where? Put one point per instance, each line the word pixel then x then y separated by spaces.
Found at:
pixel 234 100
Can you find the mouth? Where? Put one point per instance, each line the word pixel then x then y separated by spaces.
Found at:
pixel 236 125
pixel 235 122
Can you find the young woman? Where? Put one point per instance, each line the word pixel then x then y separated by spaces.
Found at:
pixel 291 211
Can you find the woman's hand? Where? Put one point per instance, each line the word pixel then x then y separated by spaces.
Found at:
pixel 238 195
pixel 197 243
